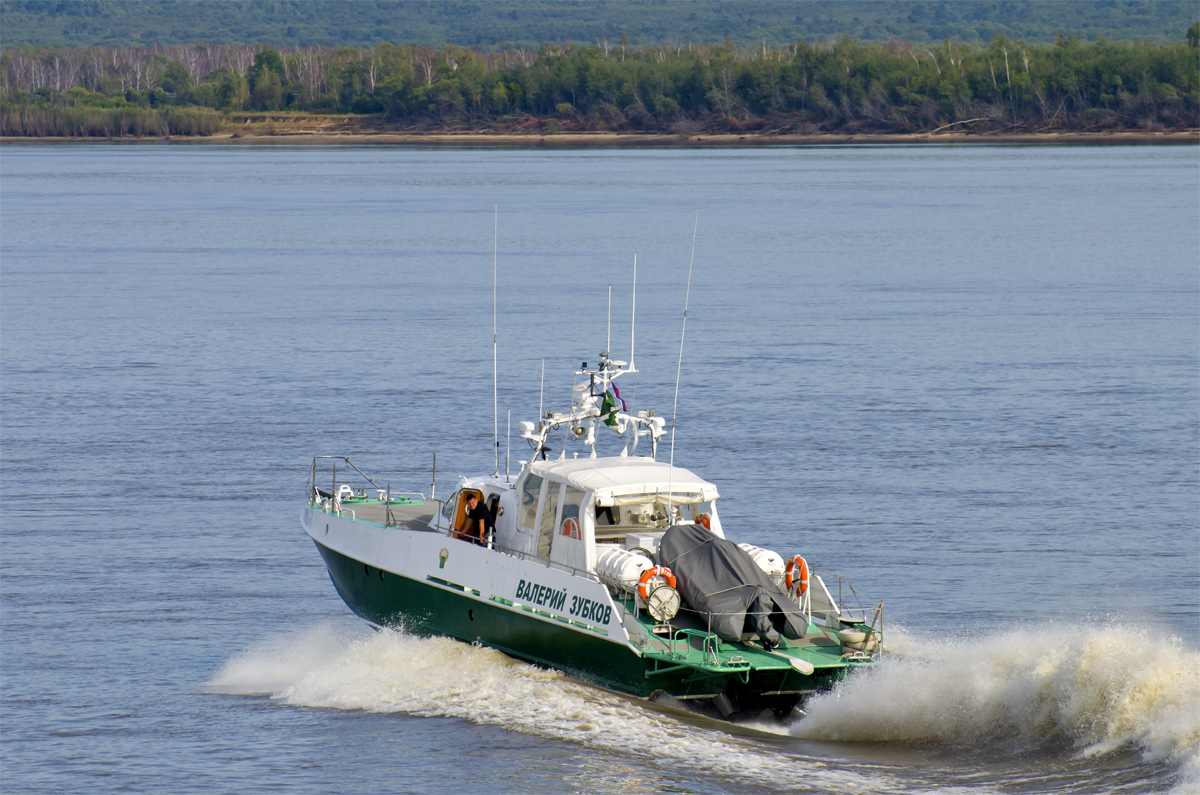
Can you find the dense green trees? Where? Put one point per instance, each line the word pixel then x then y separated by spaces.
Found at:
pixel 843 86
pixel 264 84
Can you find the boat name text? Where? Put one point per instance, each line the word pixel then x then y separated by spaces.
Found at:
pixel 541 595
pixel 556 599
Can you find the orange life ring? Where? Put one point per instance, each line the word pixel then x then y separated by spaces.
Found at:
pixel 796 576
pixel 704 521
pixel 570 528
pixel 662 573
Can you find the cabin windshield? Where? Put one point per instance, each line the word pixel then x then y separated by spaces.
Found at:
pixel 648 513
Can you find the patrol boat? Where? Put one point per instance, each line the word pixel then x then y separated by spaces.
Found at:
pixel 612 569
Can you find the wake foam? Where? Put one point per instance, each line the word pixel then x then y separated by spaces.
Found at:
pixel 1082 692
pixel 389 671
pixel 1091 689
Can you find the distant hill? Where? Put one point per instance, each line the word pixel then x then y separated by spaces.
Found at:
pixel 488 24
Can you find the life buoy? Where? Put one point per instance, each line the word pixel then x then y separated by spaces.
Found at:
pixel 570 528
pixel 795 577
pixel 704 521
pixel 664 576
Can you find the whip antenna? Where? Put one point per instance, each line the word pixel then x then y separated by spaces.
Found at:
pixel 541 392
pixel 608 341
pixel 679 367
pixel 633 318
pixel 632 366
pixel 495 376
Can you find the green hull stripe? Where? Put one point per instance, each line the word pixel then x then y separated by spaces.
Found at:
pixel 454 585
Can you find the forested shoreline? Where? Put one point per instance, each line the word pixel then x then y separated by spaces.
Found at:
pixel 840 87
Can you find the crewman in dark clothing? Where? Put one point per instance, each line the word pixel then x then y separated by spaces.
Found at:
pixel 479 519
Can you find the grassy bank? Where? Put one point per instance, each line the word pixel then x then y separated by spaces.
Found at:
pixel 88 122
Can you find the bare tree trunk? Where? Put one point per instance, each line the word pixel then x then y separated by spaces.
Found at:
pixel 1011 101
pixel 424 60
pixel 190 57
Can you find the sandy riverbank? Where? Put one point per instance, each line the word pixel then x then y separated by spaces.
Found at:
pixel 610 139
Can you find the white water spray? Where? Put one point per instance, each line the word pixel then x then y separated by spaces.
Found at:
pixel 1094 689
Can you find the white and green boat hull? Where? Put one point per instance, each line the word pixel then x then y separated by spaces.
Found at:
pixel 415 578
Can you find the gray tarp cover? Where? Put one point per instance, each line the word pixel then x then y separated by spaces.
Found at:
pixel 720 579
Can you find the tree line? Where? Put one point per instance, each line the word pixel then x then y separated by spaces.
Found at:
pixel 836 87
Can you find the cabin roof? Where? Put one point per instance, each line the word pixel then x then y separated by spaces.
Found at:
pixel 617 481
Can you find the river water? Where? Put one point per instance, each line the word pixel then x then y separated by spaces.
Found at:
pixel 967 378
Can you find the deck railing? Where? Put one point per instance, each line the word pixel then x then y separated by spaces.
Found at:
pixel 550 564
pixel 334 496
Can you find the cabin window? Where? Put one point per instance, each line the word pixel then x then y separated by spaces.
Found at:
pixel 607 515
pixel 570 525
pixel 448 508
pixel 529 500
pixel 647 514
pixel 549 515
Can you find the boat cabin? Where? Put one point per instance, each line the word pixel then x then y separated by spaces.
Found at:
pixel 570 511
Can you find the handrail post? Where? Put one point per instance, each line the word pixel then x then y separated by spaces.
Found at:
pixel 709 634
pixel 879 649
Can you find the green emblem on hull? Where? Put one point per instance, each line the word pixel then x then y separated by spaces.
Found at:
pixel 445 553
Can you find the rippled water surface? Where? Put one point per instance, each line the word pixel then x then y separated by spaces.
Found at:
pixel 968 378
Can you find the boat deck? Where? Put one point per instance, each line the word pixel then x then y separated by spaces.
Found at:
pixel 691 645
pixel 405 513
